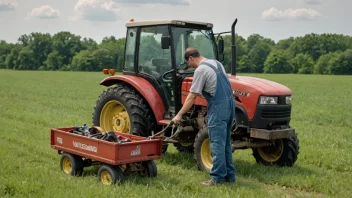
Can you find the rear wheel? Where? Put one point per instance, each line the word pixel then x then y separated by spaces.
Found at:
pixel 202 152
pixel 282 152
pixel 150 168
pixel 109 174
pixel 121 109
pixel 71 164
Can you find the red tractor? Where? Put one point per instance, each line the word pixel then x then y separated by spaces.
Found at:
pixel 156 81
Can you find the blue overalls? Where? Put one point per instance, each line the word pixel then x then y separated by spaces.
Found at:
pixel 221 114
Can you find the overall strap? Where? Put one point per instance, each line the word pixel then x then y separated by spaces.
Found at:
pixel 211 66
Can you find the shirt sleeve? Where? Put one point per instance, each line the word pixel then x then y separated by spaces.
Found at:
pixel 198 82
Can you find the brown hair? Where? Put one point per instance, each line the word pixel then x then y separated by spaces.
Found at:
pixel 191 52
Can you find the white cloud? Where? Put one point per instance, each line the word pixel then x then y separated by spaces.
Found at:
pixel 45 12
pixel 274 14
pixel 97 10
pixel 313 2
pixel 170 2
pixel 7 5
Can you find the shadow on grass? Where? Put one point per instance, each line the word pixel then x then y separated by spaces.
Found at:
pixel 243 168
pixel 262 172
pixel 133 177
pixel 181 159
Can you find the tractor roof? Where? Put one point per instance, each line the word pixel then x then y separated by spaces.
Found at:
pixel 167 22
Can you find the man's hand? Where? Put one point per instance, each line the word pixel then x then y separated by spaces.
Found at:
pixel 177 119
pixel 186 106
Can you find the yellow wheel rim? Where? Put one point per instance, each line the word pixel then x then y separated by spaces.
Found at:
pixel 114 117
pixel 272 153
pixel 106 178
pixel 67 165
pixel 205 154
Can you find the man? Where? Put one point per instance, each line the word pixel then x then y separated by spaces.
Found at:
pixel 210 80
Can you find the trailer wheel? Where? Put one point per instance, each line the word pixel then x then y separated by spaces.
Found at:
pixel 150 168
pixel 109 174
pixel 122 109
pixel 202 152
pixel 283 152
pixel 71 164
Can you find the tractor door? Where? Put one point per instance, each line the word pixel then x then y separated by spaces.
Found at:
pixel 155 61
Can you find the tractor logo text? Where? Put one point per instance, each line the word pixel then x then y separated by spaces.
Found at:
pixel 85 147
pixel 137 151
pixel 242 93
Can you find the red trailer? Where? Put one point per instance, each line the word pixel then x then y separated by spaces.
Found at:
pixel 116 158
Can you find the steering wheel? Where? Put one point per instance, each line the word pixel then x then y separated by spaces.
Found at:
pixel 167 79
pixel 183 69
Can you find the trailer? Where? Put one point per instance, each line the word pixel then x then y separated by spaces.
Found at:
pixel 128 153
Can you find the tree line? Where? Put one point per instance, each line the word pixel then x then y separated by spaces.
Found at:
pixel 64 51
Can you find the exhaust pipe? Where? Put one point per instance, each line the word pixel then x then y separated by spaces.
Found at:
pixel 233 49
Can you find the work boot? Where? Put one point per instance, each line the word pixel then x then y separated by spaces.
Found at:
pixel 210 182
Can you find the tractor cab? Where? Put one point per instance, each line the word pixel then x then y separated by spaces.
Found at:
pixel 155 51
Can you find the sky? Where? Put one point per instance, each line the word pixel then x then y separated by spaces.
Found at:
pixel 96 19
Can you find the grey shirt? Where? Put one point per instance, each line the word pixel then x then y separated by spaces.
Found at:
pixel 204 78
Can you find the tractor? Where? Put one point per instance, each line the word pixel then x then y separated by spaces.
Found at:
pixel 155 82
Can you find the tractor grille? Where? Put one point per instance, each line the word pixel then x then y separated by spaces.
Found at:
pixel 276 113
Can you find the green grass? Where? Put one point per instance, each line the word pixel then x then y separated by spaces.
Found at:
pixel 33 102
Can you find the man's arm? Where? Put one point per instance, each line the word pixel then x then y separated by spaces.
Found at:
pixel 196 89
pixel 186 106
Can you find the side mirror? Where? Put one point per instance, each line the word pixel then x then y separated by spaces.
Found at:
pixel 221 46
pixel 221 55
pixel 165 42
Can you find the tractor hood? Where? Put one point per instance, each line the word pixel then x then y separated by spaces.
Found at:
pixel 258 86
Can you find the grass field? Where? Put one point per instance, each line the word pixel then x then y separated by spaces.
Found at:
pixel 33 102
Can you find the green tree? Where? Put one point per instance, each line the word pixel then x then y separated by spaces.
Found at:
pixel 241 49
pixel 104 59
pixel 53 62
pixel 5 50
pixel 277 62
pixel 89 44
pixel 116 48
pixel 26 60
pixel 284 44
pixel 11 61
pixel 258 54
pixel 245 65
pixel 67 45
pixel 41 45
pixel 342 64
pixel 323 63
pixel 302 64
pixel 83 61
pixel 24 40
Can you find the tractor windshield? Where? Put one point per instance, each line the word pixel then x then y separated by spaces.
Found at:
pixel 203 40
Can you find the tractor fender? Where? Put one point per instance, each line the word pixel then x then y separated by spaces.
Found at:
pixel 241 115
pixel 143 87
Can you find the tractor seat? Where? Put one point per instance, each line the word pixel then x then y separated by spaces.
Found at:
pixel 162 64
pixel 160 61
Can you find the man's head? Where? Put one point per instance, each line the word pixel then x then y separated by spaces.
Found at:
pixel 192 57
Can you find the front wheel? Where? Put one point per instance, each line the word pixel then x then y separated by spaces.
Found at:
pixel 202 152
pixel 282 152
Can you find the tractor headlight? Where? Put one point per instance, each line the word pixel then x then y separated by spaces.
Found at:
pixel 268 100
pixel 288 99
